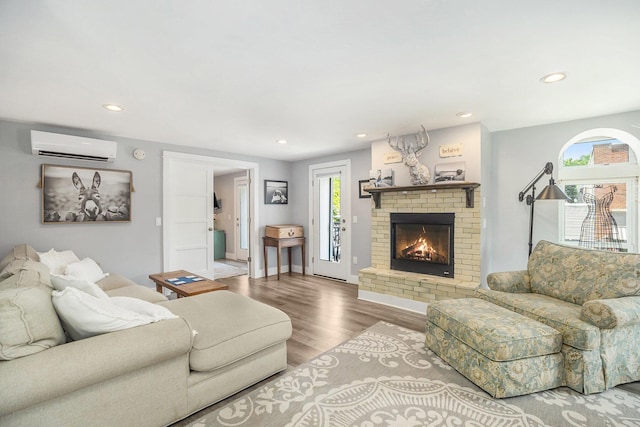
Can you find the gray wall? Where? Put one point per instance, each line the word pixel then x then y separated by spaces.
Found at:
pixel 516 157
pixel 132 249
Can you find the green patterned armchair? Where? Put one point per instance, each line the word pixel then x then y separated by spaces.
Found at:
pixel 592 298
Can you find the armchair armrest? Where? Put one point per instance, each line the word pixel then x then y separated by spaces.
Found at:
pixel 612 313
pixel 516 282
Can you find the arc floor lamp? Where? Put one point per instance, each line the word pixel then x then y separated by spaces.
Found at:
pixel 550 192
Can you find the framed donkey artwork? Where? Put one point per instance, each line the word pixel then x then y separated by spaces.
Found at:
pixel 85 195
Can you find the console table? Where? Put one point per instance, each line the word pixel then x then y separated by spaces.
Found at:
pixel 279 244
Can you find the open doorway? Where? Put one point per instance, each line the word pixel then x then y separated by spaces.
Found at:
pixel 179 181
pixel 231 223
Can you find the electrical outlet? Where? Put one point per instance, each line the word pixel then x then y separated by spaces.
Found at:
pixel 158 221
pixel 355 259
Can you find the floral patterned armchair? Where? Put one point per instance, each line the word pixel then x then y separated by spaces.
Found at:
pixel 592 298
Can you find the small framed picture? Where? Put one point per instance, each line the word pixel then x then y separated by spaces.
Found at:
pixel 276 192
pixel 362 193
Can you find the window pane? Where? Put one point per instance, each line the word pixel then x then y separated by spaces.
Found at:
pixel 598 152
pixel 596 216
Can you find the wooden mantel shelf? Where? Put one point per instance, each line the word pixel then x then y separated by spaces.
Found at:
pixel 468 187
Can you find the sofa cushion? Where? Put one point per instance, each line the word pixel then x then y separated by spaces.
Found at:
pixel 23 251
pixel 28 322
pixel 579 275
pixel 114 281
pixel 57 260
pixel 25 272
pixel 84 315
pixel 229 327
pixel 560 315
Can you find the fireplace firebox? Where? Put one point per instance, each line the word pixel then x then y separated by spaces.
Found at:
pixel 422 243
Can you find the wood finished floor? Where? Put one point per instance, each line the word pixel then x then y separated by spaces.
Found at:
pixel 323 312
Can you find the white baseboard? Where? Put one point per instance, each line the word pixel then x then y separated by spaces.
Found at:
pixel 393 301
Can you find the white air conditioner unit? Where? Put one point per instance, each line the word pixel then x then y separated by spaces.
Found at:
pixel 72 147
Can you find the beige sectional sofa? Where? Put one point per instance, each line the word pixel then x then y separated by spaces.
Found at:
pixel 150 375
pixel 592 298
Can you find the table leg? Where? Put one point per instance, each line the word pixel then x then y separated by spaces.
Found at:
pixel 279 256
pixel 266 262
pixel 303 258
pixel 289 259
pixel 158 288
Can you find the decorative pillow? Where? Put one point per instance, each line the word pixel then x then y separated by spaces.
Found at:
pixel 57 260
pixel 60 283
pixel 28 322
pixel 84 315
pixel 24 272
pixel 145 308
pixel 19 253
pixel 86 269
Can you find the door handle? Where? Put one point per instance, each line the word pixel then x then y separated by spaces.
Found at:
pixel 210 228
pixel 343 229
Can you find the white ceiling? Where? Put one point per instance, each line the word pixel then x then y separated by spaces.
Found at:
pixel 238 75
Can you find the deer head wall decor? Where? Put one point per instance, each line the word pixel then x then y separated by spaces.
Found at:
pixel 418 172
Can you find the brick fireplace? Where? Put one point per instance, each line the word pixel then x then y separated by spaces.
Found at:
pixel 413 290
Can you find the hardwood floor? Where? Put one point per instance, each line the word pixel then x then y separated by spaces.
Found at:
pixel 323 312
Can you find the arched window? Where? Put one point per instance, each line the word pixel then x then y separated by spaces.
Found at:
pixel 599 172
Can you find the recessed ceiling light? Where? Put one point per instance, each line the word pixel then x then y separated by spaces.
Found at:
pixel 112 107
pixel 361 135
pixel 463 115
pixel 282 141
pixel 553 77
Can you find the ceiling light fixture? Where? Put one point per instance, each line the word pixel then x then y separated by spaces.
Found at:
pixel 112 107
pixel 282 141
pixel 463 115
pixel 553 77
pixel 361 135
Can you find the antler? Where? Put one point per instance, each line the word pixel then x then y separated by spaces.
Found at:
pixel 422 139
pixel 397 147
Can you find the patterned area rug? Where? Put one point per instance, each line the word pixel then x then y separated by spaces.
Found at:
pixel 385 377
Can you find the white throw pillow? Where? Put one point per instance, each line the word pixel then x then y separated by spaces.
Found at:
pixel 84 315
pixel 60 283
pixel 145 308
pixel 86 269
pixel 57 260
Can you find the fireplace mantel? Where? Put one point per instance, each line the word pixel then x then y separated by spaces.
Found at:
pixel 468 187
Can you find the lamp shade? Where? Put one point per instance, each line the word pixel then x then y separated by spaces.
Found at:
pixel 552 192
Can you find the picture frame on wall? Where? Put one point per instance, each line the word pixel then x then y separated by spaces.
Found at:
pixel 362 185
pixel 72 194
pixel 276 192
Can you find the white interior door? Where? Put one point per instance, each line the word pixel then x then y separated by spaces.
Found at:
pixel 241 212
pixel 330 214
pixel 188 216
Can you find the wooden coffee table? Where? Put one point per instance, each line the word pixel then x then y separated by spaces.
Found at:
pixel 200 286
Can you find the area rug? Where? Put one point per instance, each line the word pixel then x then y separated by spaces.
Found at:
pixel 386 377
pixel 222 270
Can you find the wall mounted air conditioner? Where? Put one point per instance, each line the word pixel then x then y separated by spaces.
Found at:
pixel 72 147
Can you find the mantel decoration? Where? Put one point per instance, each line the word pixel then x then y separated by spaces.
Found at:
pixel 276 192
pixel 77 194
pixel 419 173
pixel 550 192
